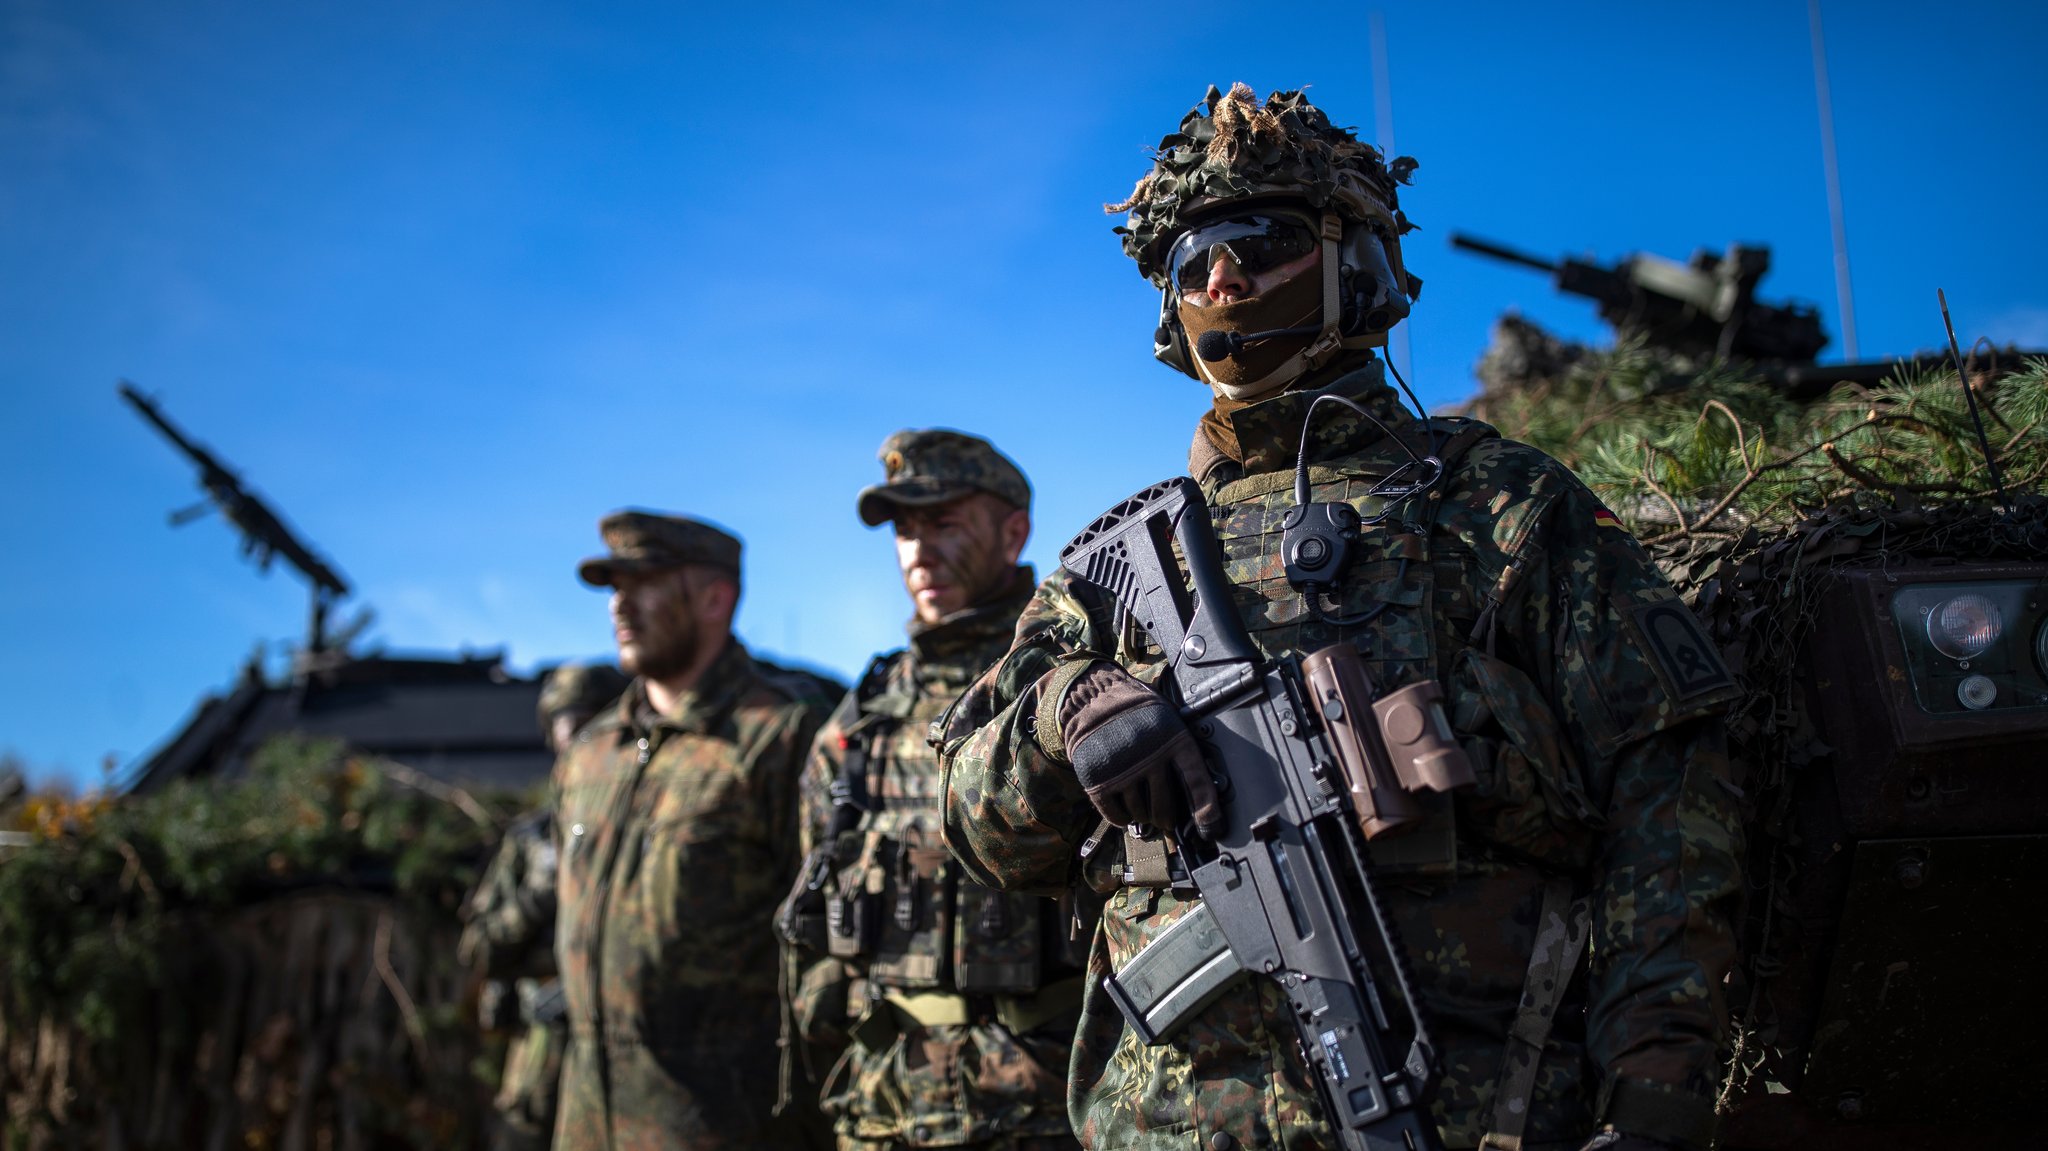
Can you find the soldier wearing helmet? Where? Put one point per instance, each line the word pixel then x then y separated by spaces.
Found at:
pixel 1567 914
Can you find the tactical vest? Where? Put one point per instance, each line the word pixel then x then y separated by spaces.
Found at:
pixel 895 904
pixel 1421 601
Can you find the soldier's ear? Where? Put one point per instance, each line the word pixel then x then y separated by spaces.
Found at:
pixel 1015 532
pixel 717 596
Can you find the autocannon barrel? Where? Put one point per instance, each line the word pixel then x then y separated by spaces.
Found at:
pixel 1502 252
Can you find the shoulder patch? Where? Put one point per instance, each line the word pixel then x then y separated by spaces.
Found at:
pixel 1683 653
pixel 1602 518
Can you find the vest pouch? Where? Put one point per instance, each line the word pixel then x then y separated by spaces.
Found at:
pixel 1531 796
pixel 850 920
pixel 998 942
pixel 853 912
pixel 801 920
pixel 804 920
pixel 913 910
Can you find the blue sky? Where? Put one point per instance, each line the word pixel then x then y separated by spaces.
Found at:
pixel 446 282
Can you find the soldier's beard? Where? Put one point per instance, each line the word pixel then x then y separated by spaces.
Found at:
pixel 1250 373
pixel 662 651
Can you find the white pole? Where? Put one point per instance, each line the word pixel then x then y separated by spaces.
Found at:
pixel 1844 298
pixel 1383 118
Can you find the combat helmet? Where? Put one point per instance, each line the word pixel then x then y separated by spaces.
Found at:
pixel 1233 157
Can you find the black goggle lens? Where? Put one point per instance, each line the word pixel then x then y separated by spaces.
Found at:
pixel 1253 243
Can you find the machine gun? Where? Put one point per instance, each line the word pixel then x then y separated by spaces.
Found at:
pixel 1300 751
pixel 1707 307
pixel 264 534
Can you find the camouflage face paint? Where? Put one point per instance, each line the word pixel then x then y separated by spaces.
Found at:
pixel 954 555
pixel 654 621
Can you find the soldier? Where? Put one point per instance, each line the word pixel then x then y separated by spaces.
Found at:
pixel 509 929
pixel 676 823
pixel 1602 800
pixel 955 1005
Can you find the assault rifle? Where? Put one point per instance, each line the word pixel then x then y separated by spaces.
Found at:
pixel 1308 765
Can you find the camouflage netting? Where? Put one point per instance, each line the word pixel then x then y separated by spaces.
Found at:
pixel 1231 148
pixel 267 963
pixel 1686 453
pixel 1751 503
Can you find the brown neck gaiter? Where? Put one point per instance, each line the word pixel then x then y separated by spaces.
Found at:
pixel 1216 425
pixel 1292 303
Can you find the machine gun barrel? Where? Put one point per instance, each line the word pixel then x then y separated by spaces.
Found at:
pixel 198 455
pixel 263 532
pixel 1502 252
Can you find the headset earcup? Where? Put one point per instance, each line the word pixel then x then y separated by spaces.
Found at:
pixel 1170 339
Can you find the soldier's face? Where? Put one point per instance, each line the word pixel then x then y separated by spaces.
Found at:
pixel 955 555
pixel 660 621
pixel 1228 283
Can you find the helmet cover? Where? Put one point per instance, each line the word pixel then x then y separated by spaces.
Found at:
pixel 1229 150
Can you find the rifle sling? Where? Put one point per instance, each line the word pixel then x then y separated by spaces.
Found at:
pixel 1561 931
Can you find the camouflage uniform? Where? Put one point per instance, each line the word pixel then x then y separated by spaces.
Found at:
pixel 953 1027
pixel 677 835
pixel 1590 710
pixel 509 929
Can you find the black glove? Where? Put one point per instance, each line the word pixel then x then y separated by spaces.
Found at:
pixel 1134 757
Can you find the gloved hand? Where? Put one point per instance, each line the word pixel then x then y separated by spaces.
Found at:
pixel 1623 1141
pixel 1134 757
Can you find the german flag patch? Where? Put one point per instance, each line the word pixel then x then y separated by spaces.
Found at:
pixel 1602 518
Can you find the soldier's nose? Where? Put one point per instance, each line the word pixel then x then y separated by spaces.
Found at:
pixel 1227 281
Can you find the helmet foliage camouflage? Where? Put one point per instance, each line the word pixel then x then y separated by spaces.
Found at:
pixel 1229 149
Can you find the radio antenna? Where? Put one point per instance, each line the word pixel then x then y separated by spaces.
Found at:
pixel 1970 397
pixel 1844 298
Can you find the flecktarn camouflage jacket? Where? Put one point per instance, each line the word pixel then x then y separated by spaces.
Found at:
pixel 1591 714
pixel 677 837
pixel 941 1012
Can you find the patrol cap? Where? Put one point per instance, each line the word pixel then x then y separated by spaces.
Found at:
pixel 925 466
pixel 642 541
pixel 578 687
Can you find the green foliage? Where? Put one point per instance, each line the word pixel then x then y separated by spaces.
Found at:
pixel 1683 451
pixel 87 912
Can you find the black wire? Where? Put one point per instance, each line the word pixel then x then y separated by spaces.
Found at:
pixel 1436 446
pixel 1356 619
pixel 1382 488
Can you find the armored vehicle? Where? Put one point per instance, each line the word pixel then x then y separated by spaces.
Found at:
pixel 1881 589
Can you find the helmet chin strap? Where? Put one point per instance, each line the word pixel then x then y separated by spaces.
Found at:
pixel 1327 343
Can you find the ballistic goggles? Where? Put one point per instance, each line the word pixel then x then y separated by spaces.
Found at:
pixel 1253 243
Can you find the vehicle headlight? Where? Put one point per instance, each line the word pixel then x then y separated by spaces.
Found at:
pixel 1977 692
pixel 1964 626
